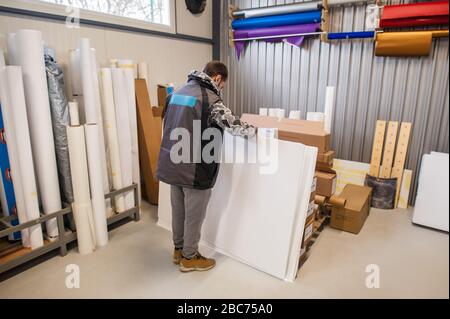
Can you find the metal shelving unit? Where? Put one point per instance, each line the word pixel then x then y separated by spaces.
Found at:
pixel 64 238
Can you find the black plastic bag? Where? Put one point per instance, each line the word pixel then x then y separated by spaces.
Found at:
pixel 383 191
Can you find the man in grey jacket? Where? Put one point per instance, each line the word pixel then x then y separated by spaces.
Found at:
pixel 197 106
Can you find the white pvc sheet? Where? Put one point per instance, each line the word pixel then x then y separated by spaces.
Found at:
pixel 253 217
pixel 82 207
pixel 131 97
pixel 432 206
pixel 315 116
pixel 109 121
pixel 13 156
pixel 123 132
pixel 295 115
pixel 30 56
pixel 329 108
pixel 96 183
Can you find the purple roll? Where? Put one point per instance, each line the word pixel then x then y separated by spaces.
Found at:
pixel 275 31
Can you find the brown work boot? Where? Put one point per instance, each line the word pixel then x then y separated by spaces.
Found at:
pixel 196 263
pixel 177 255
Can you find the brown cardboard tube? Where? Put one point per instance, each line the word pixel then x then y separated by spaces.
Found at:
pixel 337 201
pixel 320 200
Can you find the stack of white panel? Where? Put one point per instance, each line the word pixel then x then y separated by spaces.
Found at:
pixel 252 200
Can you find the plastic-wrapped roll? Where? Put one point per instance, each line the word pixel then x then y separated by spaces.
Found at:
pixel 131 97
pixel 123 132
pixel 334 3
pixel 82 207
pixel 30 56
pixel 14 172
pixel 415 14
pixel 278 20
pixel 96 183
pixel 60 119
pixel 280 9
pixel 16 110
pixel 75 72
pixel 109 118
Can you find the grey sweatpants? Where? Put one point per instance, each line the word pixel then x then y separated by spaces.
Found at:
pixel 188 213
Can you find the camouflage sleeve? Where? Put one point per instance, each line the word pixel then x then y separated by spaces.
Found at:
pixel 221 116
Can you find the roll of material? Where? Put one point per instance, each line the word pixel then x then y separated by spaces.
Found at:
pixel 281 113
pixel 131 98
pixel 123 132
pixel 109 118
pixel 415 14
pixel 330 100
pixel 30 56
pixel 103 154
pixel 275 31
pixel 143 71
pixel 11 44
pixel 351 35
pixel 128 64
pixel 320 200
pixel 334 3
pixel 74 116
pixel 96 184
pixel 87 81
pixel 82 207
pixel 11 78
pixel 295 115
pixel 280 9
pixel 439 33
pixel 403 43
pixel 273 112
pixel 263 111
pixel 75 72
pixel 14 172
pixel 60 119
pixel 315 116
pixel 337 201
pixel 277 20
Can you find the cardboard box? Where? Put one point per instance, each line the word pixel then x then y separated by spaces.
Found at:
pixel 353 214
pixel 327 157
pixel 326 183
pixel 300 131
pixel 324 167
pixel 163 91
pixel 307 234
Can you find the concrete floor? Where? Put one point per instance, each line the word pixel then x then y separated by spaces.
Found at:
pixel 413 263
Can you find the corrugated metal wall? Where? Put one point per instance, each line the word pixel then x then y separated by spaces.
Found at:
pixel 367 87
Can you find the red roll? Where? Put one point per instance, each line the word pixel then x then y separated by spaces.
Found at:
pixel 416 14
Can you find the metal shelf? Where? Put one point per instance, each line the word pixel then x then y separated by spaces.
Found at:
pixel 63 238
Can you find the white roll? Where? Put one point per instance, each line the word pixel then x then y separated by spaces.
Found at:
pixel 103 156
pixel 315 116
pixel 124 132
pixel 30 56
pixel 295 115
pixel 143 71
pixel 279 9
pixel 87 80
pixel 75 72
pixel 82 207
pixel 73 113
pixel 11 144
pixel 329 108
pixel 12 53
pixel 273 112
pixel 281 113
pixel 109 121
pixel 96 184
pixel 17 112
pixel 131 97
pixel 128 64
pixel 263 111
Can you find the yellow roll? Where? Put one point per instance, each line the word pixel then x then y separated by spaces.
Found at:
pixel 403 43
pixel 439 33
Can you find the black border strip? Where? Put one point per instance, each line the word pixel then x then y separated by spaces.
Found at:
pixel 95 23
pixel 216 12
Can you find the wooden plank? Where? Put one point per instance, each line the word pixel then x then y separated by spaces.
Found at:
pixel 389 149
pixel 400 156
pixel 150 135
pixel 377 148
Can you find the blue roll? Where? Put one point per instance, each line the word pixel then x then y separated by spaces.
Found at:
pixel 277 20
pixel 351 35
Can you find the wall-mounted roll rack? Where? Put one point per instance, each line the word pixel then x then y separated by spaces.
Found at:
pixel 8 262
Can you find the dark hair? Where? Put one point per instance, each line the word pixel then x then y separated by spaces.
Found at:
pixel 214 68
